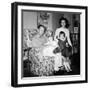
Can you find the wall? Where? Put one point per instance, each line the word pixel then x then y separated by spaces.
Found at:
pixel 55 20
pixel 29 19
pixel 5 46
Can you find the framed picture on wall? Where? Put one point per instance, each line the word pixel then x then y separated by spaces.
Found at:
pixel 49 44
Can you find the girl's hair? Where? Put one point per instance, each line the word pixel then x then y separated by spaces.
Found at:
pixel 61 33
pixel 66 21
pixel 43 27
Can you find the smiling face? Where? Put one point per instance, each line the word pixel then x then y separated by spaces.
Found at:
pixel 41 30
pixel 63 23
pixel 62 37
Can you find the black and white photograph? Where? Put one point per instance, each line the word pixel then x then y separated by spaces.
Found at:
pixel 51 44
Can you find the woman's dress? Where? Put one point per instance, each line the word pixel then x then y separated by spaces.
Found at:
pixel 40 66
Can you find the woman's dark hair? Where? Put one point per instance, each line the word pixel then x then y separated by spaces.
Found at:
pixel 43 27
pixel 66 21
pixel 62 33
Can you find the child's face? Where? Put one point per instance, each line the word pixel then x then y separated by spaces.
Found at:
pixel 62 37
pixel 49 33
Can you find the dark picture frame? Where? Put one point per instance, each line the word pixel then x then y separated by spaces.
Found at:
pixel 14 43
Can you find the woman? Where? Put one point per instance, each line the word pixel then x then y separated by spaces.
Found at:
pixel 63 27
pixel 39 65
pixel 38 40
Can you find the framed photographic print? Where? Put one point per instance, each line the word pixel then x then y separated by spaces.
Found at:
pixel 49 44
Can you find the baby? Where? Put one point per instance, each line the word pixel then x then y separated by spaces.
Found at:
pixel 65 50
pixel 49 46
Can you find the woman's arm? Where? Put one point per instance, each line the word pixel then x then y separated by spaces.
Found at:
pixel 28 42
pixel 56 35
pixel 68 38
